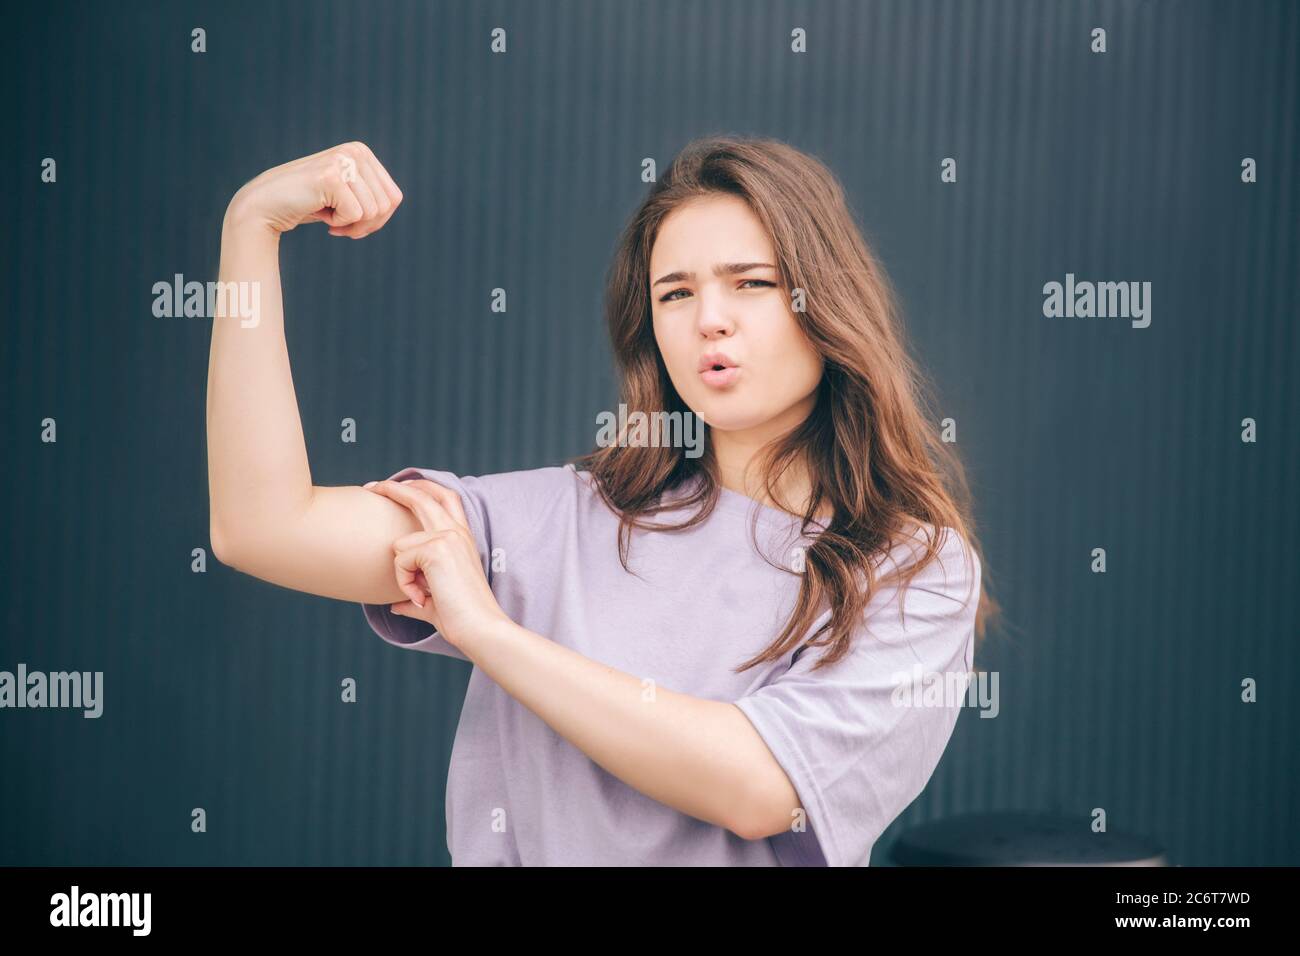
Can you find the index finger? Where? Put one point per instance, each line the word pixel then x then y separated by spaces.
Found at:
pixel 426 508
pixel 447 497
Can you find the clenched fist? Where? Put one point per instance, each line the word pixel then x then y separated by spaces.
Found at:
pixel 345 187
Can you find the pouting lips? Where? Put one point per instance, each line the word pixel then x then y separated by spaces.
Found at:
pixel 719 374
pixel 715 362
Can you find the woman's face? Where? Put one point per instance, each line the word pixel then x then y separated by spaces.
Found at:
pixel 714 288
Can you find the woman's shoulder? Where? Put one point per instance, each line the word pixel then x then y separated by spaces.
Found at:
pixel 509 508
pixel 952 569
pixel 500 488
pixel 530 493
pixel 546 479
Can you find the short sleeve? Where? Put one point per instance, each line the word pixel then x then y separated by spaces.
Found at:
pixel 860 738
pixel 409 632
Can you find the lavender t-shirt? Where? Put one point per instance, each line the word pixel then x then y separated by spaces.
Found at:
pixel 520 794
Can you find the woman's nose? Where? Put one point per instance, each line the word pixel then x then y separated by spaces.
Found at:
pixel 714 315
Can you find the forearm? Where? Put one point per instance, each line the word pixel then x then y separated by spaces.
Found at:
pixel 257 457
pixel 701 757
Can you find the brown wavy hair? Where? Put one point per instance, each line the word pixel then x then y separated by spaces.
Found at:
pixel 870 444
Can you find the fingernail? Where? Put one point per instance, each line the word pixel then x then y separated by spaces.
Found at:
pixel 369 483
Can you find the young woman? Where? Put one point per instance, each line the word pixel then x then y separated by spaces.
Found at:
pixel 737 657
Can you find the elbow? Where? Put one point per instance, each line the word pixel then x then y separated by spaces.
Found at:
pixel 764 812
pixel 747 830
pixel 753 826
pixel 222 545
pixel 759 827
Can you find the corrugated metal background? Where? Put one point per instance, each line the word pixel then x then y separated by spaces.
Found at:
pixel 1118 690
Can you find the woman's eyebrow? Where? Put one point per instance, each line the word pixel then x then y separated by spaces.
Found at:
pixel 722 269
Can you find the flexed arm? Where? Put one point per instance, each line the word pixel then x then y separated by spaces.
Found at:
pixel 266 516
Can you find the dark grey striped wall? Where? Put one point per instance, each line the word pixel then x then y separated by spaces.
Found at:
pixel 1118 690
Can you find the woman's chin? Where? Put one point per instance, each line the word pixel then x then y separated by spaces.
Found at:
pixel 729 420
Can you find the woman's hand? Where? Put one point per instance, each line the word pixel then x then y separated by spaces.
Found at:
pixel 439 566
pixel 345 187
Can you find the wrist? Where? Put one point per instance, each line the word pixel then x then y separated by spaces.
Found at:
pixel 242 221
pixel 493 632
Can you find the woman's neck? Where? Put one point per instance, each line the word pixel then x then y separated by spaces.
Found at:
pixel 794 487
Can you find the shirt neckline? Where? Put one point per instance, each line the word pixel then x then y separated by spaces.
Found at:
pixel 736 503
pixel 731 502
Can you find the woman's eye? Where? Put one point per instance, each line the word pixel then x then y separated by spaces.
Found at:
pixel 761 283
